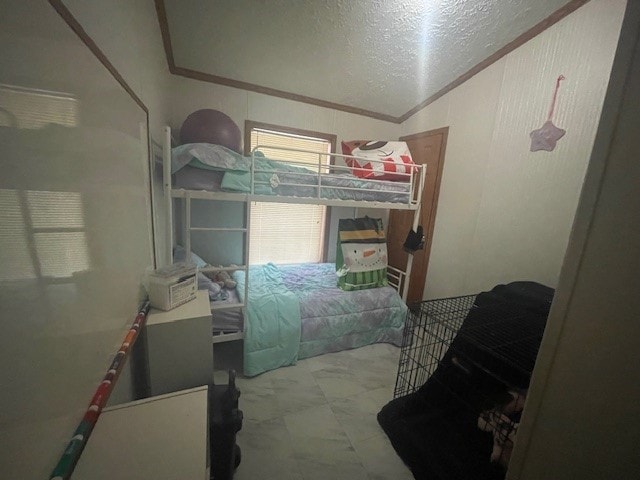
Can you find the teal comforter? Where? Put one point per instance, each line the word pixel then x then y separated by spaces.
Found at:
pixel 297 311
pixel 272 329
pixel 272 177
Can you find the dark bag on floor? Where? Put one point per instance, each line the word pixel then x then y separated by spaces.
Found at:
pixel 225 421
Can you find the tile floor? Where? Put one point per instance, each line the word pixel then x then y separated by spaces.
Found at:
pixel 317 419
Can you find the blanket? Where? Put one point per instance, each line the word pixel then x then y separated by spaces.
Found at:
pixel 237 178
pixel 329 319
pixel 273 177
pixel 272 321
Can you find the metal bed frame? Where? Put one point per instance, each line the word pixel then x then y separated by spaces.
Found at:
pixel 397 278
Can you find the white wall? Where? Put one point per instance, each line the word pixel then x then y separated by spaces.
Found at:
pixel 69 296
pixel 582 417
pixel 127 32
pixel 505 213
pixel 189 95
pixel 137 53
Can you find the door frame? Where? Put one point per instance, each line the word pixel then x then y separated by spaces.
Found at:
pixel 423 265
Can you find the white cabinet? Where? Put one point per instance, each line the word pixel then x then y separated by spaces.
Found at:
pixel 179 349
pixel 160 438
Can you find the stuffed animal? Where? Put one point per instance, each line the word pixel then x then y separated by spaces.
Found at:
pixel 222 278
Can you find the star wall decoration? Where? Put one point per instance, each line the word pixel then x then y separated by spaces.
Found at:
pixel 546 137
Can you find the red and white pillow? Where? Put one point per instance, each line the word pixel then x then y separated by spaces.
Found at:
pixel 393 160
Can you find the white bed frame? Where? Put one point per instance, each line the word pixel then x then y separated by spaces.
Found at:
pixel 399 279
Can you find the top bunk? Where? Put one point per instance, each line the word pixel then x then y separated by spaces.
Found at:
pixel 206 171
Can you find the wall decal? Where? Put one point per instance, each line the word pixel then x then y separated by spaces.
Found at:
pixel 546 137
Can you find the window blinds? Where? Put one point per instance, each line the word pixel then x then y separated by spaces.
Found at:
pixel 287 233
pixel 283 140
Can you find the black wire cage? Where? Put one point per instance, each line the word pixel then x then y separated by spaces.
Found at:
pixel 464 369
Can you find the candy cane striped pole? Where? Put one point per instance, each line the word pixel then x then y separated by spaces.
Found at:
pixel 71 454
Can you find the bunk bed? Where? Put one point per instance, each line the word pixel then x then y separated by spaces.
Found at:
pixel 346 319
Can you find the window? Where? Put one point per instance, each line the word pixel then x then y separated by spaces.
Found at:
pixel 287 233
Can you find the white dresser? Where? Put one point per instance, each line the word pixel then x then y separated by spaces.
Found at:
pixel 160 438
pixel 179 346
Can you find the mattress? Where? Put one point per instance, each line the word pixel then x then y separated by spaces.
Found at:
pixel 214 168
pixel 331 319
pixel 227 320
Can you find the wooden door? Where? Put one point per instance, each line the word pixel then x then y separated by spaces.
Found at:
pixel 426 148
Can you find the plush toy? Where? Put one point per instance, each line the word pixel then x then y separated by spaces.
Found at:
pixel 386 160
pixel 222 278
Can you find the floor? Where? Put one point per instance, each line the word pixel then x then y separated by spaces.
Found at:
pixel 317 419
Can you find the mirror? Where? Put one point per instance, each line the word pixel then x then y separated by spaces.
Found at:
pixel 75 229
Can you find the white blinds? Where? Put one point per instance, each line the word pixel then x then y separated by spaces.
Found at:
pixel 265 137
pixel 287 233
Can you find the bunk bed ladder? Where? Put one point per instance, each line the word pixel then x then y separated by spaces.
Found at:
pixel 414 227
pixel 168 201
pixel 417 195
pixel 187 229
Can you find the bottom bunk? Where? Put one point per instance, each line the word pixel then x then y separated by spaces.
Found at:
pixel 297 311
pixel 226 306
pixel 228 319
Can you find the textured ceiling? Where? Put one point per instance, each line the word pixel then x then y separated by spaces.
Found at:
pixel 378 55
